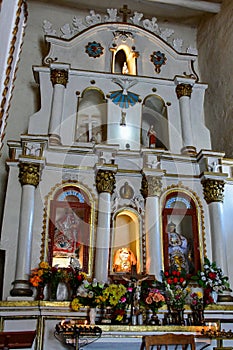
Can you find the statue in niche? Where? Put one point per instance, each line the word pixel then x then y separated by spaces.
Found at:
pixel 124 260
pixel 152 137
pixel 125 69
pixel 66 234
pixel 74 260
pixel 178 250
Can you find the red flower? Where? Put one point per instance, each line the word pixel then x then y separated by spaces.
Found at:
pixel 174 272
pixel 169 281
pixel 79 278
pixel 181 279
pixel 178 273
pixel 166 273
pixel 212 275
pixel 175 280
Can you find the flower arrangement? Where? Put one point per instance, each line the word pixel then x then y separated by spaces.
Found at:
pixel 74 277
pixel 113 295
pixel 40 275
pixel 211 277
pixel 153 299
pixel 175 283
pixel 197 300
pixel 88 294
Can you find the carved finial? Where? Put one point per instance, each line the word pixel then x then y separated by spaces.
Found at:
pixel 125 13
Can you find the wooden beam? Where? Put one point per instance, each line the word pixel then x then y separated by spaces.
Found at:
pixel 198 5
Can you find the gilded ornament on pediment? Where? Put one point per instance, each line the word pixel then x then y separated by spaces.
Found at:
pixel 29 174
pixel 105 181
pixel 59 76
pixel 183 90
pixel 213 190
pixel 126 191
pixel 151 186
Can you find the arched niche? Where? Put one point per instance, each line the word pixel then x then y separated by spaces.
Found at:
pixel 69 231
pixel 91 116
pixel 183 239
pixel 154 113
pixel 126 237
pixel 124 60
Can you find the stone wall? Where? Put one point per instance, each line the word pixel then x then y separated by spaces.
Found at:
pixel 214 41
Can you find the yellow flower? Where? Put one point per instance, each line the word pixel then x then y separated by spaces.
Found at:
pixel 75 304
pixel 199 294
pixel 119 318
pixel 44 265
pixel 40 272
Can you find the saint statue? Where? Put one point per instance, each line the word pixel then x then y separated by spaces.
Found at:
pixel 124 260
pixel 125 69
pixel 178 249
pixel 66 234
pixel 152 137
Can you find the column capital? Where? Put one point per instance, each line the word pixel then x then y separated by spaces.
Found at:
pixel 29 173
pixel 151 186
pixel 213 190
pixel 105 181
pixel 59 76
pixel 184 90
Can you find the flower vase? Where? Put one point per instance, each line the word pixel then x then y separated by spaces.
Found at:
pixel 214 295
pixel 92 315
pixel 154 320
pixel 40 292
pixel 178 317
pixel 107 315
pixel 53 290
pixel 62 292
pixel 198 317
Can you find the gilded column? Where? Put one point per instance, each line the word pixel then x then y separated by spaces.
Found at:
pixel 184 92
pixel 151 191
pixel 59 79
pixel 105 184
pixel 213 191
pixel 29 177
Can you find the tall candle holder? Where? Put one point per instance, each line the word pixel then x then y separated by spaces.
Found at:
pixel 76 335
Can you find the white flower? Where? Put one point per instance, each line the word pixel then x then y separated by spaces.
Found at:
pixel 86 283
pixel 94 282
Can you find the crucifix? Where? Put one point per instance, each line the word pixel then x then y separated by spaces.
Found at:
pixel 125 13
pixel 135 281
pixel 89 121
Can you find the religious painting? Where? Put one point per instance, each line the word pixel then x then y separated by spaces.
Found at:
pixel 69 229
pixel 181 244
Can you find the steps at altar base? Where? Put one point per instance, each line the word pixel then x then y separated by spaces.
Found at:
pixel 44 315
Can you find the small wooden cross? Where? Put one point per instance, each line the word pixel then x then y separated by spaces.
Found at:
pixel 125 13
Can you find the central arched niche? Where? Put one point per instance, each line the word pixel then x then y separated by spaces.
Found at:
pixel 91 116
pixel 124 61
pixel 154 113
pixel 126 239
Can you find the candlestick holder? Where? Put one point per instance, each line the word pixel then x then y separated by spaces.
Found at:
pixel 76 335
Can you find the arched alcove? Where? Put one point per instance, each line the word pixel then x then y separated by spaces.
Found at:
pixel 126 238
pixel 69 233
pixel 154 113
pixel 124 60
pixel 91 116
pixel 182 239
